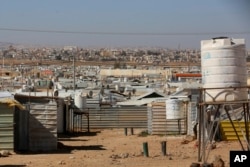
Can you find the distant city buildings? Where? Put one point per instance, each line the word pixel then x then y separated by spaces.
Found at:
pixel 147 55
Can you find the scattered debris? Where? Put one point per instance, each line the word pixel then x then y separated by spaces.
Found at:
pixel 206 165
pixel 194 164
pixel 185 157
pixel 185 141
pixel 71 157
pixel 61 162
pixel 123 155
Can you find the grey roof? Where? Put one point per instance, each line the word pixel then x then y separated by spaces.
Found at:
pixel 152 94
pixel 143 99
pixel 6 94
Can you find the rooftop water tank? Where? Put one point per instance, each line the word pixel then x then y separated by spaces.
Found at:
pixel 223 64
pixel 117 87
pixel 80 101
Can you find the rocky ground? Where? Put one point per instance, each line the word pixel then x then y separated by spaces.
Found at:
pixel 113 148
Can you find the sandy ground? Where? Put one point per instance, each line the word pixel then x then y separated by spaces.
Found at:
pixel 112 147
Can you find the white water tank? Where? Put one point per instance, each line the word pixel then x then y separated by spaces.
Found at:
pixel 28 81
pixel 80 101
pixel 223 64
pixel 117 87
pixel 174 109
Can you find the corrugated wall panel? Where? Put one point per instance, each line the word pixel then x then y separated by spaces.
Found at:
pixel 21 130
pixel 6 127
pixel 123 117
pixel 149 115
pixel 162 126
pixel 152 118
pixel 43 127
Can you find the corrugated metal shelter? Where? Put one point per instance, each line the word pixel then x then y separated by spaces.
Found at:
pixel 36 125
pixel 110 117
pixel 42 127
pixel 7 123
pixel 159 125
pixel 192 96
pixel 6 127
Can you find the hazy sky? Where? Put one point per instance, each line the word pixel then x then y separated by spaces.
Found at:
pixel 122 23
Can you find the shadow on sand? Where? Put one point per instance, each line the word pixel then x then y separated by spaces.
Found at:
pixel 77 134
pixel 66 145
pixel 12 165
pixel 72 137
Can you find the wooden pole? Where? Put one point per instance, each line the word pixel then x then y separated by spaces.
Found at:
pixel 132 131
pixel 164 148
pixel 145 149
pixel 125 131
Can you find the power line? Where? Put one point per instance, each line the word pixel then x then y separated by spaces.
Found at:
pixel 124 33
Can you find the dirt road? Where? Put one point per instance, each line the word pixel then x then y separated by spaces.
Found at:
pixel 112 147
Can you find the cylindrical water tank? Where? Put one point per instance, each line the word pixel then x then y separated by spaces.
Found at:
pixel 80 101
pixel 117 87
pixel 55 93
pixel 24 87
pixel 174 109
pixel 28 81
pixel 223 64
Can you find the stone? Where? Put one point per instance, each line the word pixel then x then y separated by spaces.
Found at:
pixel 185 141
pixel 195 164
pixel 61 163
pixel 185 157
pixel 189 138
pixel 4 153
pixel 218 162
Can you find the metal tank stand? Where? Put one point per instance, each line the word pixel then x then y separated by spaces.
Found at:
pixel 77 119
pixel 209 129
